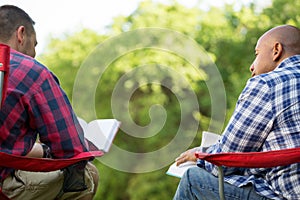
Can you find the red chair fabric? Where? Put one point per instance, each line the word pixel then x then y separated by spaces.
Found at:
pixel 43 164
pixel 253 159
pixel 3 196
pixel 4 69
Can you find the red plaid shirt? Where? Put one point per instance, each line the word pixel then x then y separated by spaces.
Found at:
pixel 37 105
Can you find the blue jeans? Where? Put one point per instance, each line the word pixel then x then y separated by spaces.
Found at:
pixel 199 184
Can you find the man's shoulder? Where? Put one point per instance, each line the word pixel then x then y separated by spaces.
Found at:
pixel 25 61
pixel 287 71
pixel 18 56
pixel 32 70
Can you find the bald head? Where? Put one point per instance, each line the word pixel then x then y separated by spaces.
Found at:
pixel 273 47
pixel 286 35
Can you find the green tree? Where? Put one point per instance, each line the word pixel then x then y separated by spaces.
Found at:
pixel 65 55
pixel 284 12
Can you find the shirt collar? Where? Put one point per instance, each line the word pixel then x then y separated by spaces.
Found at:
pixel 290 61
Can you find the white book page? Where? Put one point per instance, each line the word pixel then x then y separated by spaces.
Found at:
pixel 209 138
pixel 100 132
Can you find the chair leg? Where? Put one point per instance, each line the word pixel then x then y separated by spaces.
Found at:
pixel 221 183
pixel 1 82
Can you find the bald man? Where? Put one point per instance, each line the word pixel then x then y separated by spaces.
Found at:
pixel 266 117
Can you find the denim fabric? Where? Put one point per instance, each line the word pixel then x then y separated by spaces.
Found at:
pixel 199 184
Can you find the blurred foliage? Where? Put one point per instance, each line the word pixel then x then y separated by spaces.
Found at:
pixel 228 35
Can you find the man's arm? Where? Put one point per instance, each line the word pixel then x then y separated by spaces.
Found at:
pixel 249 125
pixel 54 119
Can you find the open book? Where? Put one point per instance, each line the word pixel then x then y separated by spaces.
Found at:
pixel 178 171
pixel 100 133
pixel 208 139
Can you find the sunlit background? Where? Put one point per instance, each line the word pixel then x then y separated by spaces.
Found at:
pixel 56 17
pixel 158 80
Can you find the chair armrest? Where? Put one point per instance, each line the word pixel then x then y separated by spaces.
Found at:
pixel 43 164
pixel 265 159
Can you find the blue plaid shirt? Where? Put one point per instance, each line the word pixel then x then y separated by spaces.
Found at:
pixel 266 117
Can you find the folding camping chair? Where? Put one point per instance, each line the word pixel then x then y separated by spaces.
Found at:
pixel 27 163
pixel 266 159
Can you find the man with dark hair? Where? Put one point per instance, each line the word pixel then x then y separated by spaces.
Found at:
pixel 37 107
pixel 266 117
pixel 17 19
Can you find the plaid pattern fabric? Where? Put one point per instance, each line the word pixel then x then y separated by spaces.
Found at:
pixel 266 117
pixel 36 105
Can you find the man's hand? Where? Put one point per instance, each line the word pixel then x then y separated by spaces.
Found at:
pixel 188 155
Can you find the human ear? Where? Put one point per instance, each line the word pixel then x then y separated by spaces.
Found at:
pixel 20 34
pixel 277 51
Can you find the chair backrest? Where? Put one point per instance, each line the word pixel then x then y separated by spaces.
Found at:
pixel 4 70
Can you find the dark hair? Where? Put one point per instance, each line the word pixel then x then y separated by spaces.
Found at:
pixel 12 17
